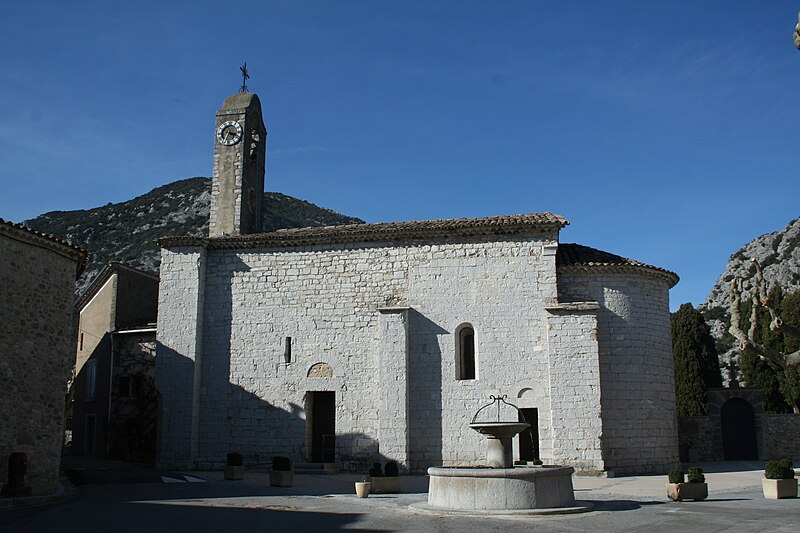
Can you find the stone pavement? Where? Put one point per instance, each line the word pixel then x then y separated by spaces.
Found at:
pixel 328 503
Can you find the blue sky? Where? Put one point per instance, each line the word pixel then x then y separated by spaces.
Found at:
pixel 663 131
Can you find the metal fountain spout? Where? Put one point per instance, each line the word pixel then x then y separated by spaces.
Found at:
pixel 499 449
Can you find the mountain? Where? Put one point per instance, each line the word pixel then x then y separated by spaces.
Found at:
pixel 779 256
pixel 127 231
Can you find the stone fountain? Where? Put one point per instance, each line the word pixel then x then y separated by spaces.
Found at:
pixel 500 487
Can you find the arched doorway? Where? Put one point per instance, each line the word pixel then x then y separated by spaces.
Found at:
pixel 738 430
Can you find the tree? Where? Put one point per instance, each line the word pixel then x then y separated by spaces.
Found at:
pixel 695 359
pixel 761 303
pixel 790 384
pixel 770 346
pixel 764 374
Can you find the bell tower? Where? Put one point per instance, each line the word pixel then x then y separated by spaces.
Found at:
pixel 237 188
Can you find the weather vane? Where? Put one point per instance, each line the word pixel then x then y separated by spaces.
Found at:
pixel 245 77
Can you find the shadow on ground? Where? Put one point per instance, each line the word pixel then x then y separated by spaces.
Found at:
pixel 97 471
pixel 727 466
pixel 184 507
pixel 621 505
pixel 252 517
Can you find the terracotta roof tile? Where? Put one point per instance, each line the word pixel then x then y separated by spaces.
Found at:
pixel 382 232
pixel 579 256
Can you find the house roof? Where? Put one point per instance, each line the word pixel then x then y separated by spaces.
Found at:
pixel 99 280
pixel 382 232
pixel 24 234
pixel 580 257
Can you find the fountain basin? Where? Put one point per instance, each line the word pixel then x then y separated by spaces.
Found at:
pixel 500 430
pixel 499 448
pixel 496 489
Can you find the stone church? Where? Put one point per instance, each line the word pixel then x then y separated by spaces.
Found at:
pixel 367 342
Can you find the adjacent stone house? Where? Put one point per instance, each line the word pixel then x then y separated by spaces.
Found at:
pixel 37 283
pixel 114 402
pixel 350 344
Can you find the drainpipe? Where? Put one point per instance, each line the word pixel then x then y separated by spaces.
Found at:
pixel 110 388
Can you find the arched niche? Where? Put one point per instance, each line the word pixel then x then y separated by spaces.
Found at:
pixel 320 370
pixel 526 393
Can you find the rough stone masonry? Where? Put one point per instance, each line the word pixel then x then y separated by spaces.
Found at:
pixel 37 280
pixel 247 320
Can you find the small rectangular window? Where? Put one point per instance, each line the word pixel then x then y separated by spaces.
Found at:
pixel 81 344
pixel 91 378
pixel 287 351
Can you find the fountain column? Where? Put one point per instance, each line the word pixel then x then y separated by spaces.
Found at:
pixel 499 452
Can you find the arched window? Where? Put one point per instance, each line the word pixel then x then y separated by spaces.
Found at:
pixel 465 351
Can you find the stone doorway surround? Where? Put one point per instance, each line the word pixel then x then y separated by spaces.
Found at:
pixel 717 398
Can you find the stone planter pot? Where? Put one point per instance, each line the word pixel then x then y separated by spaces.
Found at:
pixel 779 488
pixel 363 488
pixel 234 472
pixel 386 485
pixel 281 478
pixel 678 492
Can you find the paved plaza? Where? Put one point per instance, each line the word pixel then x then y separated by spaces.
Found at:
pixel 328 503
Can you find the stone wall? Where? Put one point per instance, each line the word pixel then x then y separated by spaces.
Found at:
pixel 37 279
pixel 703 433
pixel 179 354
pixel 636 371
pixel 577 426
pixel 328 298
pixel 777 436
pixel 782 436
pixel 599 374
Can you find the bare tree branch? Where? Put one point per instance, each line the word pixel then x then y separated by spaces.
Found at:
pixel 760 299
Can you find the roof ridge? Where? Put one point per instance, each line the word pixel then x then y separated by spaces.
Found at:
pixel 382 231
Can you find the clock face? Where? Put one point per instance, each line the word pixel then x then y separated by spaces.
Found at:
pixel 229 133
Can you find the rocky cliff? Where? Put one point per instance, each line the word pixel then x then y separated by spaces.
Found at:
pixel 127 231
pixel 779 255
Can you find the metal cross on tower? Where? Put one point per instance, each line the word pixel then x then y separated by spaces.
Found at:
pixel 245 77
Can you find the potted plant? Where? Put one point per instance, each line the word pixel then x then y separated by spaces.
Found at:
pixel 696 489
pixel 363 488
pixel 531 463
pixel 281 474
pixel 780 481
pixel 385 480
pixel 234 466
